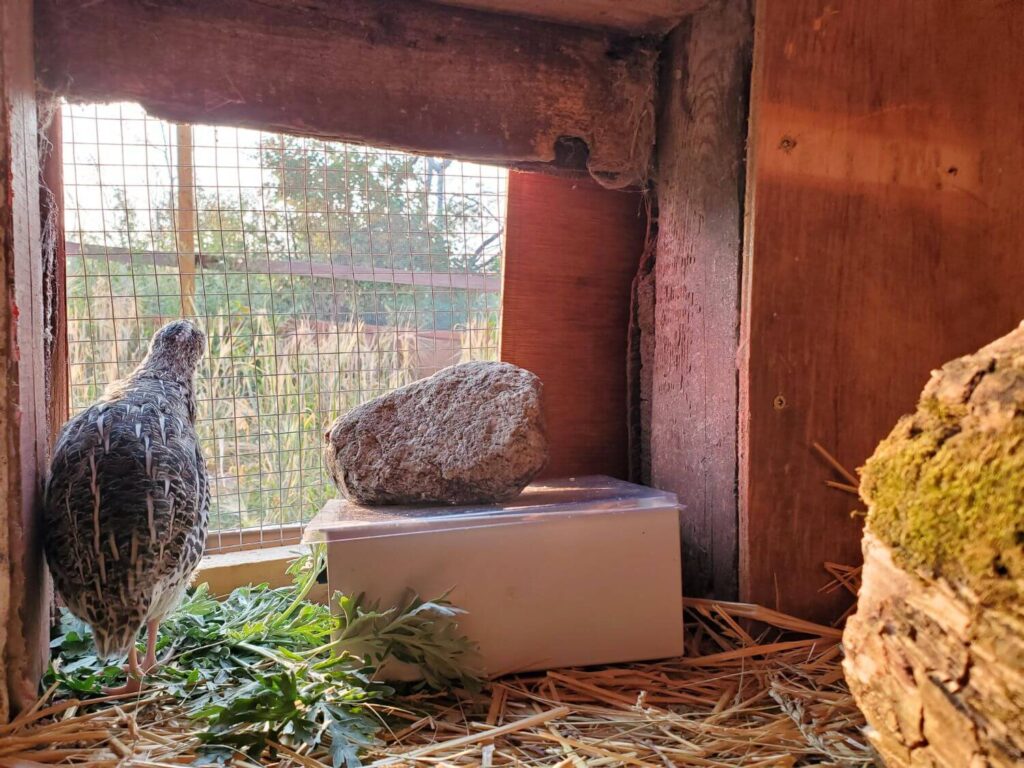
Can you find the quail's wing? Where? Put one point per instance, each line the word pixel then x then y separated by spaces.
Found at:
pixel 182 499
pixel 123 505
pixel 203 497
pixel 69 507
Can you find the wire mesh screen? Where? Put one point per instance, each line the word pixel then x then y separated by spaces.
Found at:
pixel 323 273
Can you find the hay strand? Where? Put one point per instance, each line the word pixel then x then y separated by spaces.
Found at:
pixel 851 479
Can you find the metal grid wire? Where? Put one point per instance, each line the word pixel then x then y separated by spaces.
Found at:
pixel 323 273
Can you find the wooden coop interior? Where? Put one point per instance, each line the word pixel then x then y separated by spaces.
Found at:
pixel 735 228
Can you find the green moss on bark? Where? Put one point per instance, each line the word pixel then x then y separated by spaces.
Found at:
pixel 945 490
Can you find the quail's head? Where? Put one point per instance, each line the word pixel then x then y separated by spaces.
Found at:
pixel 178 345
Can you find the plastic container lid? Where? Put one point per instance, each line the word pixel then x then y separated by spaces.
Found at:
pixel 342 520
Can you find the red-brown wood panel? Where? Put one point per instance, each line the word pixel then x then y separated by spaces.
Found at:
pixel 571 251
pixel 885 206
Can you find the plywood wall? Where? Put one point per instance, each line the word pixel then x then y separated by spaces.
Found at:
pixel 572 248
pixel 886 236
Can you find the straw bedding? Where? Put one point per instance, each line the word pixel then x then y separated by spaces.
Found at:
pixel 755 688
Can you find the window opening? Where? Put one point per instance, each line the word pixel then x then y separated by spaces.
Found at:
pixel 323 273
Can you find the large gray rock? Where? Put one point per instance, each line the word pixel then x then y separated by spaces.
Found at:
pixel 470 434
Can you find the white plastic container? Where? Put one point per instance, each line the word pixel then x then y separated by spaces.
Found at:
pixel 572 572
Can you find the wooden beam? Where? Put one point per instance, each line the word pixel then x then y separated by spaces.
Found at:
pixel 459 281
pixel 701 141
pixel 886 239
pixel 403 74
pixel 571 252
pixel 24 583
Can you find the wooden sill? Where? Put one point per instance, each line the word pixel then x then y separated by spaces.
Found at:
pixel 226 571
pixel 245 539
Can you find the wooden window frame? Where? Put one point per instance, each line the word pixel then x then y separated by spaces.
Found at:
pixel 584 98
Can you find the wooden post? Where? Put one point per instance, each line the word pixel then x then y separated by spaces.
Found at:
pixel 24 583
pixel 701 145
pixel 185 222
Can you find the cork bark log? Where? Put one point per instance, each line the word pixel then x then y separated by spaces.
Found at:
pixel 935 652
pixel 938 676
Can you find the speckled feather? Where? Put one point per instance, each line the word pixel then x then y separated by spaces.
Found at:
pixel 127 499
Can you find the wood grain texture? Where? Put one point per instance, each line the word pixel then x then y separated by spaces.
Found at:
pixel 9 27
pixel 571 252
pixel 55 305
pixel 701 135
pixel 403 74
pixel 643 17
pixel 24 587
pixel 886 238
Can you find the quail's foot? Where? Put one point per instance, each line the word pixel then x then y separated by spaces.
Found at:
pixel 134 685
pixel 134 672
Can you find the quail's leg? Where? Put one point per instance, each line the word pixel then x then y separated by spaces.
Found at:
pixel 152 629
pixel 134 683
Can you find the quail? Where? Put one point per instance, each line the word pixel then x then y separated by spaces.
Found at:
pixel 127 501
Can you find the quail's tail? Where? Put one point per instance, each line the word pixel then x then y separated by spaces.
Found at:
pixel 113 643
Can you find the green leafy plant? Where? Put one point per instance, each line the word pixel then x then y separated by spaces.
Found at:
pixel 267 668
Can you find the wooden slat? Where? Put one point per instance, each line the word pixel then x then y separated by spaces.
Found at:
pixel 9 28
pixel 24 584
pixel 887 238
pixel 571 253
pixel 701 139
pixel 401 73
pixel 629 16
